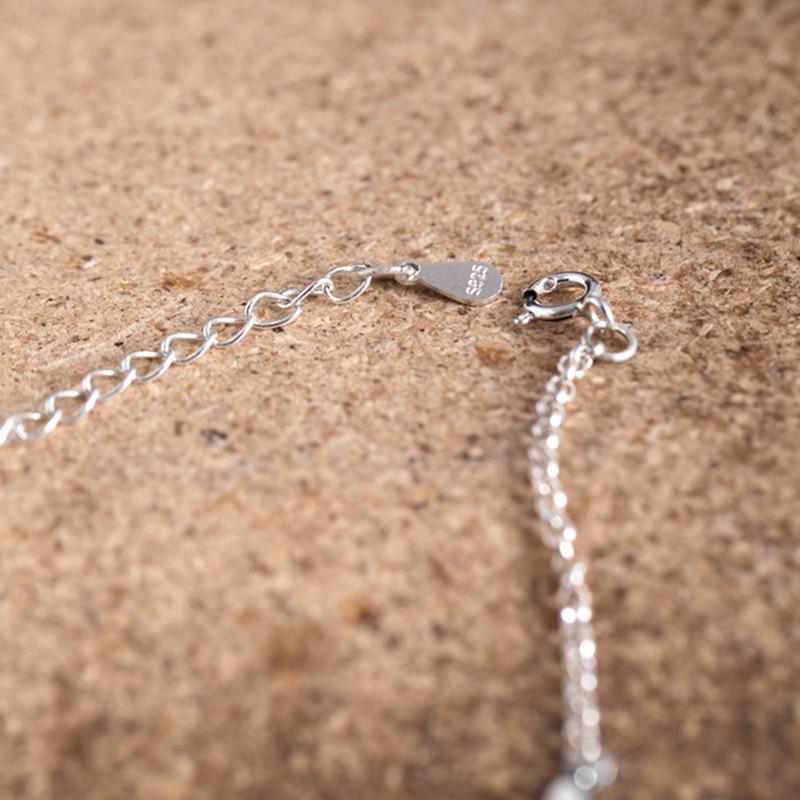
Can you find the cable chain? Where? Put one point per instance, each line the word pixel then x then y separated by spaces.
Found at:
pixel 583 753
pixel 66 406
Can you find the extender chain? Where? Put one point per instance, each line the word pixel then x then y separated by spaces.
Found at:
pixel 587 768
pixel 263 310
pixel 140 366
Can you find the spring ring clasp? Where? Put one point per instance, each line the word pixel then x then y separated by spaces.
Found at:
pixel 590 304
pixel 549 283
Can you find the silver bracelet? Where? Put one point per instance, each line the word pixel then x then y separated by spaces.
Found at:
pixel 586 767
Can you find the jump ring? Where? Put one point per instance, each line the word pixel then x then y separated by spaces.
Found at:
pixel 599 350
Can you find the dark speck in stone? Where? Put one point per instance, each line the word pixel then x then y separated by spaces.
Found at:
pixel 213 436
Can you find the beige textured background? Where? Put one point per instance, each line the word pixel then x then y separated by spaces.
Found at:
pixel 306 568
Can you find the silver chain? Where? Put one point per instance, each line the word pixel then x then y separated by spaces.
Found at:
pixel 469 282
pixel 587 767
pixel 264 310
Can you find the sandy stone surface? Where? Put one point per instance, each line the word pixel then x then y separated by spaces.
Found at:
pixel 306 567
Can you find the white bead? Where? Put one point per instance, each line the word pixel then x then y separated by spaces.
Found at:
pixel 563 788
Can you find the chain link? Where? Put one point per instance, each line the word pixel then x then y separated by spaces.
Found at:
pixel 263 310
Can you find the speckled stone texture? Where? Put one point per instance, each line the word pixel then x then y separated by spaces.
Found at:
pixel 306 568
